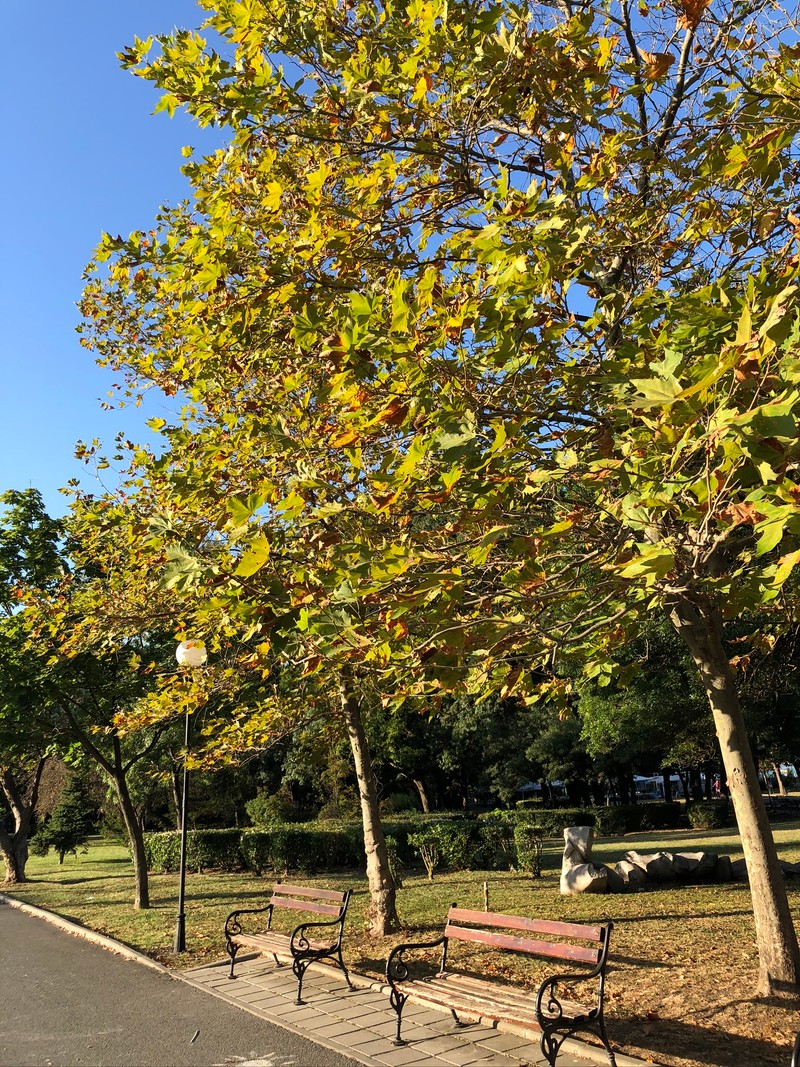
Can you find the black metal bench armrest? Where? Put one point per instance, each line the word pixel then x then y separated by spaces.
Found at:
pixel 299 942
pixel 553 1003
pixel 232 924
pixel 397 968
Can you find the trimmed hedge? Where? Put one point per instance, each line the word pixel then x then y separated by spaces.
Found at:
pixel 205 849
pixel 495 841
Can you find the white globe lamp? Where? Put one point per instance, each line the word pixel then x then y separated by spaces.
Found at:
pixel 191 653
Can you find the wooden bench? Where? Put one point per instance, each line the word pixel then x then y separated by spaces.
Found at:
pixel 465 994
pixel 296 946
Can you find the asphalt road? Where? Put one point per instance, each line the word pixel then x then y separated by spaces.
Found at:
pixel 65 1001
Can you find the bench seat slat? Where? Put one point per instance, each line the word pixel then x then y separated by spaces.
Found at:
pixel 524 944
pixel 520 922
pixel 485 1000
pixel 271 941
pixel 304 891
pixel 305 905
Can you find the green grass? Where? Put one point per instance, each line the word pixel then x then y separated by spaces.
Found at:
pixel 684 957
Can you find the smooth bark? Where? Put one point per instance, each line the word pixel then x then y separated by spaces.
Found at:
pixel 424 800
pixel 14 844
pixel 699 624
pixel 382 913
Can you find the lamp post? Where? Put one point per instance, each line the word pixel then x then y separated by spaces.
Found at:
pixel 188 654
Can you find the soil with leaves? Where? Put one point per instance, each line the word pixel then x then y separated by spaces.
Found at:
pixel 683 959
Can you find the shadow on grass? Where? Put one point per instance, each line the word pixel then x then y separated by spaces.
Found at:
pixel 713 1048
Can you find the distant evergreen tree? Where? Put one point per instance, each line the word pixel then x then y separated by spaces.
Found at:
pixel 70 825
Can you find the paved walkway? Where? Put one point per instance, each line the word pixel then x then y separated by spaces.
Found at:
pixel 361 1024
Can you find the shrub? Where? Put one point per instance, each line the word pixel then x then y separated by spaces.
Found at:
pixel 497 836
pixel 162 851
pixel 267 809
pixel 214 850
pixel 205 849
pixel 707 814
pixel 397 802
pixel 529 839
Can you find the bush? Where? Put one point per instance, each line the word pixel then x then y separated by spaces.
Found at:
pixel 214 850
pixel 529 840
pixel 305 848
pixel 162 851
pixel 205 849
pixel 270 809
pixel 552 821
pixel 707 814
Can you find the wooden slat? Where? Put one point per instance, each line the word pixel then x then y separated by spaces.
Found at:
pixel 304 891
pixel 484 999
pixel 524 944
pixel 305 905
pixel 272 942
pixel 520 922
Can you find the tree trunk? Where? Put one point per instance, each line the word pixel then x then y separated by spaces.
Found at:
pixel 665 778
pixel 419 785
pixel 14 859
pixel 778 778
pixel 14 845
pixel 141 891
pixel 699 624
pixel 382 913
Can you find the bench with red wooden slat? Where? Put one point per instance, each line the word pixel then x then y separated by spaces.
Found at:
pixel 481 999
pixel 302 946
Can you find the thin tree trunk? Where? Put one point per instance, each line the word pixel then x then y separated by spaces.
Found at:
pixel 665 778
pixel 779 779
pixel 383 908
pixel 141 892
pixel 424 800
pixel 116 771
pixel 699 624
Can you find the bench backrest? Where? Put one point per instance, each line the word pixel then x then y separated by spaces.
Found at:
pixel 490 928
pixel 303 898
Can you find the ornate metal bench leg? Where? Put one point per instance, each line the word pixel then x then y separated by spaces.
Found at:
pixel 397 1000
pixel 550 1047
pixel 457 1023
pixel 344 969
pixel 232 950
pixel 601 1026
pixel 299 968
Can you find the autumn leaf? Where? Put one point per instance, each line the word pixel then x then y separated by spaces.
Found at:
pixel 656 65
pixel 691 13
pixel 344 439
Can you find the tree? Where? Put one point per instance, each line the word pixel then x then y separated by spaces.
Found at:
pixel 69 825
pixel 29 551
pixel 488 321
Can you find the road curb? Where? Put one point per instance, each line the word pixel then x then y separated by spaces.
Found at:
pixel 77 930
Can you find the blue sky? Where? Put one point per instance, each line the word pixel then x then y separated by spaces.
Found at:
pixel 82 154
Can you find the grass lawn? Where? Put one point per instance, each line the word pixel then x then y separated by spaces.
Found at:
pixel 683 959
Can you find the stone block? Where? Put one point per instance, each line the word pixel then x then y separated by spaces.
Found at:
pixel 631 874
pixel 584 878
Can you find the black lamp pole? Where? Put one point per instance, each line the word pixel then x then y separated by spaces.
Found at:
pixel 180 928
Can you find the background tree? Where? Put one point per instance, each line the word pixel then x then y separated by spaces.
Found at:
pixel 70 824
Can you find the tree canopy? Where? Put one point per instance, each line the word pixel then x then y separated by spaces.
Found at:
pixel 486 323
